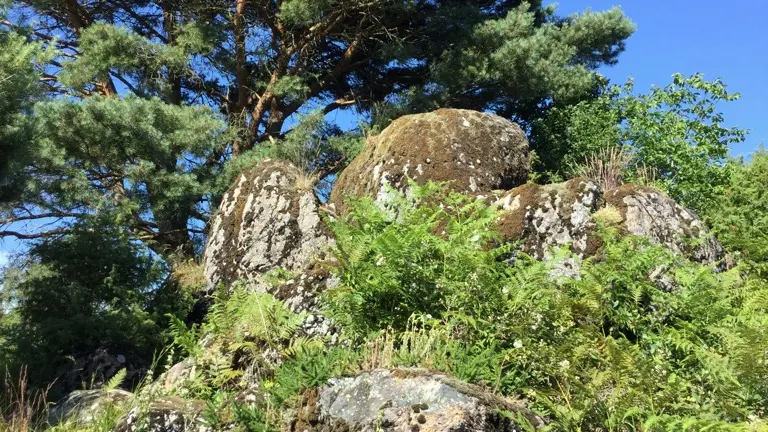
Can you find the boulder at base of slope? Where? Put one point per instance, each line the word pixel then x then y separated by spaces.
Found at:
pixel 83 407
pixel 407 400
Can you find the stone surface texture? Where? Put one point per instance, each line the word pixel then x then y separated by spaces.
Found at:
pixel 265 221
pixel 405 400
pixel 650 213
pixel 543 217
pixel 551 216
pixel 82 407
pixel 476 152
pixel 301 293
pixel 166 415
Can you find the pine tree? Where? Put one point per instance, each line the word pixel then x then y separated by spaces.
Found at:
pixel 18 89
pixel 152 98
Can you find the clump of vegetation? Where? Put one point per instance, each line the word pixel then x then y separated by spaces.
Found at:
pixel 87 290
pixel 739 216
pixel 608 350
pixel 428 253
pixel 673 136
pixel 118 139
pixel 20 406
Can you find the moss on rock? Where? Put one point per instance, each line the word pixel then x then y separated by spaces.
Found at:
pixel 474 151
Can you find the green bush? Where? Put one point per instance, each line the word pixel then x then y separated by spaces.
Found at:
pixel 739 216
pixel 93 288
pixel 433 259
pixel 675 133
pixel 427 285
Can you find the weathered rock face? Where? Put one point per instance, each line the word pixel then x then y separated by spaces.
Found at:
pixel 551 216
pixel 558 215
pixel 82 407
pixel 477 152
pixel 166 415
pixel 265 221
pixel 405 400
pixel 300 294
pixel 650 213
pixel 176 376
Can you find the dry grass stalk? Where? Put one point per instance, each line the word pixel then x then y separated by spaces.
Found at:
pixel 607 168
pixel 646 175
pixel 306 181
pixel 21 407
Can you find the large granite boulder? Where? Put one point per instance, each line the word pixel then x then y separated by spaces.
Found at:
pixel 551 216
pixel 476 152
pixel 545 217
pixel 650 213
pixel 406 400
pixel 268 219
pixel 83 407
pixel 171 414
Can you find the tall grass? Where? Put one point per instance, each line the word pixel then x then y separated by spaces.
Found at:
pixel 611 167
pixel 21 409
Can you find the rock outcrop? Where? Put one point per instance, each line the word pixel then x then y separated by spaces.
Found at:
pixel 647 212
pixel 268 219
pixel 82 407
pixel 476 152
pixel 563 215
pixel 406 400
pixel 551 216
pixel 166 415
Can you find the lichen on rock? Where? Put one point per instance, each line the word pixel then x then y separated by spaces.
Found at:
pixel 265 221
pixel 476 152
pixel 301 295
pixel 650 213
pixel 406 400
pixel 546 217
pixel 551 216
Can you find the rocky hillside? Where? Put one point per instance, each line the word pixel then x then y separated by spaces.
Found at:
pixel 273 238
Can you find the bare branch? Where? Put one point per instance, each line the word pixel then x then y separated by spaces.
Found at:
pixel 31 216
pixel 35 236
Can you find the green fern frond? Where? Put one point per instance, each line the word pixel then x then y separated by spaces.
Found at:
pixel 116 380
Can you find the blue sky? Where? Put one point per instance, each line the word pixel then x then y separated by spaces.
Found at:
pixel 721 41
pixel 727 41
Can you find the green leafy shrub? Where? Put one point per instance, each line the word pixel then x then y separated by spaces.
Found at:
pixel 253 338
pixel 425 285
pixel 675 131
pixel 91 289
pixel 739 215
